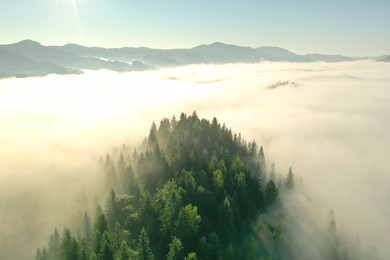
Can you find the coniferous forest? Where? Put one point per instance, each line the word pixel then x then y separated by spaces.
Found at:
pixel 193 189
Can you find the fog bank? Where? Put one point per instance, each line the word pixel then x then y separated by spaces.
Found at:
pixel 329 121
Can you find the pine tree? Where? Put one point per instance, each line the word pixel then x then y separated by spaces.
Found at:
pixel 175 250
pixel 122 174
pixel 226 223
pixel 83 251
pixel 101 227
pixel 124 252
pixel 271 192
pixel 229 252
pixel 70 247
pixel 105 248
pixel 112 209
pixel 290 179
pixel 87 228
pixel 191 256
pixel 54 246
pixel 187 224
pixel 194 194
pixel 261 155
pixel 42 254
pixel 131 185
pixel 144 252
pixel 332 237
pixel 170 201
pixel 263 165
pixel 152 138
pixel 215 246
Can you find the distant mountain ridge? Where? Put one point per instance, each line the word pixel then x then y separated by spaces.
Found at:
pixel 29 58
pixel 385 59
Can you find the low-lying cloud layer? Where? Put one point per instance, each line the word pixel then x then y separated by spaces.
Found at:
pixel 329 121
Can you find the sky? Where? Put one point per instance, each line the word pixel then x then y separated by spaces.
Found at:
pixel 349 27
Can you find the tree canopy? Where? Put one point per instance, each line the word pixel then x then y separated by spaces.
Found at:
pixel 191 190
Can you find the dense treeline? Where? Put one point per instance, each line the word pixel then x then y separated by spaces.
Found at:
pixel 192 190
pixel 195 190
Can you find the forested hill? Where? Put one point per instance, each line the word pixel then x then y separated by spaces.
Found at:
pixel 193 189
pixel 196 190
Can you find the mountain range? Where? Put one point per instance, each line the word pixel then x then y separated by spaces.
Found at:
pixel 29 58
pixel 385 58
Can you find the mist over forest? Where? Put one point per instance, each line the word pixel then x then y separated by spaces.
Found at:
pixel 328 121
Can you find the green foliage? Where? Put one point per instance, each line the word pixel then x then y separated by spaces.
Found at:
pixel 54 247
pixel 153 169
pixel 101 227
pixel 152 138
pixel 218 179
pixel 83 252
pixel 41 254
pixel 190 191
pixel 69 246
pixel 237 165
pixel 144 252
pixel 123 253
pixel 175 250
pixel 86 227
pixel 187 224
pixel 249 248
pixel 226 224
pixel 191 256
pixel 169 200
pixel 215 246
pixel 112 209
pixel 105 248
pixel 271 192
pixel 229 252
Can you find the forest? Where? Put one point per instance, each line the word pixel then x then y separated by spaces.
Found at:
pixel 193 189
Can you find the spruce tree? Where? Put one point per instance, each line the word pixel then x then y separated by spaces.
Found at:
pixel 290 179
pixel 144 252
pixel 175 250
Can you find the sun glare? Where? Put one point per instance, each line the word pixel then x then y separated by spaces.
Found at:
pixel 75 15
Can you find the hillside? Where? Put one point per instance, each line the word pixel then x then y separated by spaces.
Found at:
pixel 192 189
pixel 385 59
pixel 29 58
pixel 13 64
pixel 196 190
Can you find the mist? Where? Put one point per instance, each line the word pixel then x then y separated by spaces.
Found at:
pixel 329 121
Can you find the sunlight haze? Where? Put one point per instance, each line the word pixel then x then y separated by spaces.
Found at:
pixel 325 112
pixel 356 28
pixel 196 129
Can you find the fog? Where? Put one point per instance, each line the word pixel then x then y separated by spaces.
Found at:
pixel 329 121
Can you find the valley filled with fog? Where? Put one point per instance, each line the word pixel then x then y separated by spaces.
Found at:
pixel 328 121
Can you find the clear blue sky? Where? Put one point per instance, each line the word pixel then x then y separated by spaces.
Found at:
pixel 350 27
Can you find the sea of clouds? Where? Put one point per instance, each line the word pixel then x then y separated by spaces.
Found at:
pixel 329 121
